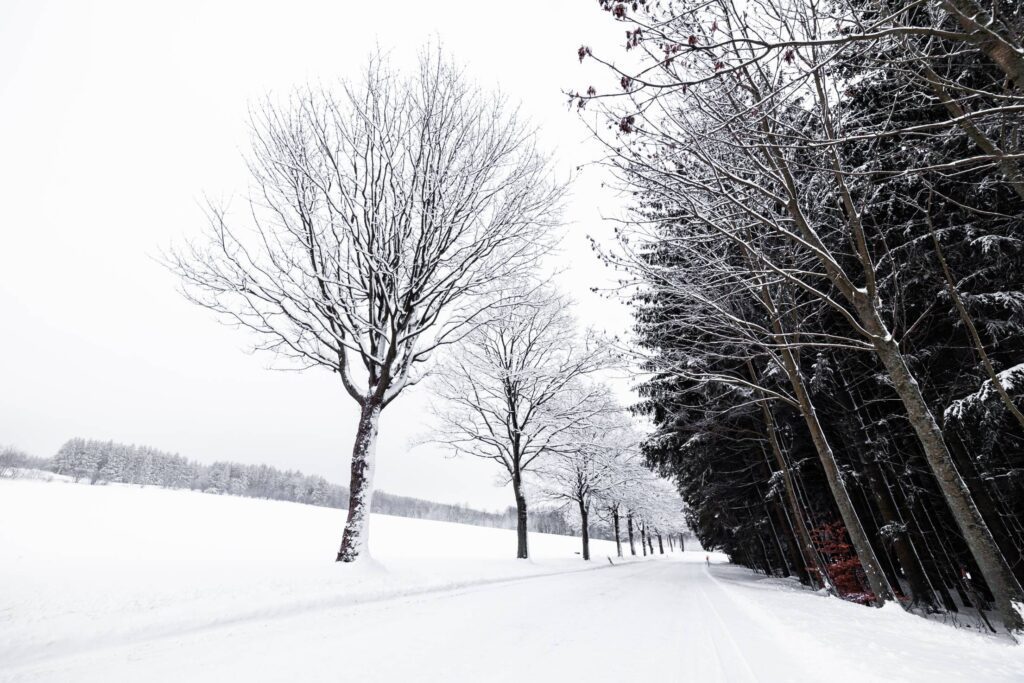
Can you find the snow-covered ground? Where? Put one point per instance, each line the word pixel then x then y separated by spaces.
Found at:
pixel 125 584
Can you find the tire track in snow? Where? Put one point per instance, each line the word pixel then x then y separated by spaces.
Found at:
pixel 724 635
pixel 13 661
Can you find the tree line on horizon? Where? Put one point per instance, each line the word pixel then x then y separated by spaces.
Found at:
pixel 102 462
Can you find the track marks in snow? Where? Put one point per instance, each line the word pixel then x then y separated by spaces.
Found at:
pixel 398 595
pixel 659 619
pixel 735 667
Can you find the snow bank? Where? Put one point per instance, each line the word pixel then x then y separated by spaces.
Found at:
pixel 836 640
pixel 87 566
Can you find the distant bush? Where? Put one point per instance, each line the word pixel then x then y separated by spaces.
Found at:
pixel 13 462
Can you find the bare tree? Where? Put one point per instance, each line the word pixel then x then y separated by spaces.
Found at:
pixel 383 217
pixel 513 392
pixel 589 468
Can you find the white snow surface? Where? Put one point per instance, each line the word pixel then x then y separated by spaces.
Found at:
pixel 119 583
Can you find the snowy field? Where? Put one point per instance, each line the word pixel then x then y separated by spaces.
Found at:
pixel 122 583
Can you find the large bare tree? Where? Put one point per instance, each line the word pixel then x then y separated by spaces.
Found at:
pixel 383 217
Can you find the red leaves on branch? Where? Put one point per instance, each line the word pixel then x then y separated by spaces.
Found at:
pixel 692 40
pixel 625 82
pixel 633 38
pixel 626 124
pixel 616 7
pixel 583 52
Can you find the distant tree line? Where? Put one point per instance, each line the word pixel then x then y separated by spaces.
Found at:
pixel 12 460
pixel 102 462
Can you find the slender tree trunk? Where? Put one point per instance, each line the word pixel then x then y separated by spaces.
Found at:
pixel 629 529
pixel 766 562
pixel 920 590
pixel 1008 542
pixel 808 555
pixel 682 547
pixel 585 529
pixel 661 546
pixel 991 563
pixel 1007 164
pixel 522 545
pixel 671 544
pixel 355 539
pixel 618 538
pixel 784 542
pixel 643 538
pixel 858 536
pixel 921 547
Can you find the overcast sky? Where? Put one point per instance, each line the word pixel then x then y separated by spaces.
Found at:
pixel 119 117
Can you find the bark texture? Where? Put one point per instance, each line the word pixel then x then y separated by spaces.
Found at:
pixel 618 538
pixel 522 544
pixel 355 539
pixel 585 529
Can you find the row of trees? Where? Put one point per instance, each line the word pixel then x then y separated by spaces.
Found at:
pixel 827 249
pixel 388 217
pixel 394 223
pixel 521 392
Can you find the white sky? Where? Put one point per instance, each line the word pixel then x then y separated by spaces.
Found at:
pixel 118 117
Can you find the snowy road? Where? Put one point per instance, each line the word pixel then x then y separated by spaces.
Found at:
pixel 657 620
pixel 650 620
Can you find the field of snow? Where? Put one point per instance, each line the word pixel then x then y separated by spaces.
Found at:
pixel 120 583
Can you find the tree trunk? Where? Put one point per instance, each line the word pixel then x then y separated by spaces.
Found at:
pixel 629 529
pixel 809 567
pixel 991 563
pixel 618 539
pixel 522 548
pixel 585 529
pixel 785 542
pixel 920 591
pixel 923 549
pixel 643 538
pixel 661 546
pixel 355 539
pixel 1008 542
pixel 858 537
pixel 681 546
